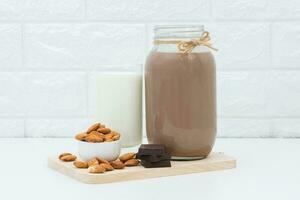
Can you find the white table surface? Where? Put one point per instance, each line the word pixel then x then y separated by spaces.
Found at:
pixel 266 169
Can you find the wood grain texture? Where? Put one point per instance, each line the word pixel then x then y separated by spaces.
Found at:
pixel 215 161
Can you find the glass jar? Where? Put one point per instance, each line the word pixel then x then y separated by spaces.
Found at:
pixel 180 89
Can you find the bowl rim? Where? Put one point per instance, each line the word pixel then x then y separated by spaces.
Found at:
pixel 97 143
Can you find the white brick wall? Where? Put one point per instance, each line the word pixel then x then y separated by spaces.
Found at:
pixel 256 9
pixel 145 10
pixel 42 10
pixel 50 50
pixel 11 46
pixel 85 46
pixel 43 94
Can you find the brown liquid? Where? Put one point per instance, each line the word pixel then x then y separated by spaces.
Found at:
pixel 181 102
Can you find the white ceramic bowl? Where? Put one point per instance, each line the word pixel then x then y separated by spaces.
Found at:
pixel 106 150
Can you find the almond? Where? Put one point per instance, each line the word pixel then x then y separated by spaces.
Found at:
pixel 117 164
pixel 107 166
pixel 104 130
pixel 68 158
pixel 93 161
pixel 94 127
pixel 127 156
pixel 93 137
pixel 97 134
pixel 101 160
pixel 132 162
pixel 80 164
pixel 81 136
pixel 116 137
pixel 63 154
pixel 109 136
pixel 96 169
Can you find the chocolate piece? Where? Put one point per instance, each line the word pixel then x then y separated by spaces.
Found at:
pixel 153 155
pixel 152 149
pixel 163 163
pixel 153 158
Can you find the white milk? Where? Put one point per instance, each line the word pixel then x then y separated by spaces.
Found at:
pixel 119 104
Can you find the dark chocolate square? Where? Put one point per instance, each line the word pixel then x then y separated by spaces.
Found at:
pixel 153 158
pixel 151 149
pixel 163 163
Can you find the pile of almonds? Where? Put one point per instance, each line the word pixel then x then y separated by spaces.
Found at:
pixel 98 133
pixel 98 165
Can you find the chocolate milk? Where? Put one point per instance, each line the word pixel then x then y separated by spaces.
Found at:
pixel 181 102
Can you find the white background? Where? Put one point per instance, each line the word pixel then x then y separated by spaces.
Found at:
pixel 50 49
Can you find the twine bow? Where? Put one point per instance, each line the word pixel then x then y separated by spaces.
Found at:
pixel 188 46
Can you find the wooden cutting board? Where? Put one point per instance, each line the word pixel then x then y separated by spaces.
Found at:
pixel 215 161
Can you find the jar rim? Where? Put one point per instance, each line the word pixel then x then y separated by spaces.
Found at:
pixel 179 26
pixel 177 31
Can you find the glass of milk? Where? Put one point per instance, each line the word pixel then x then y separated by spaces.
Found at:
pixel 119 102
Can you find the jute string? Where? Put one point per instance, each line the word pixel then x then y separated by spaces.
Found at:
pixel 188 46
